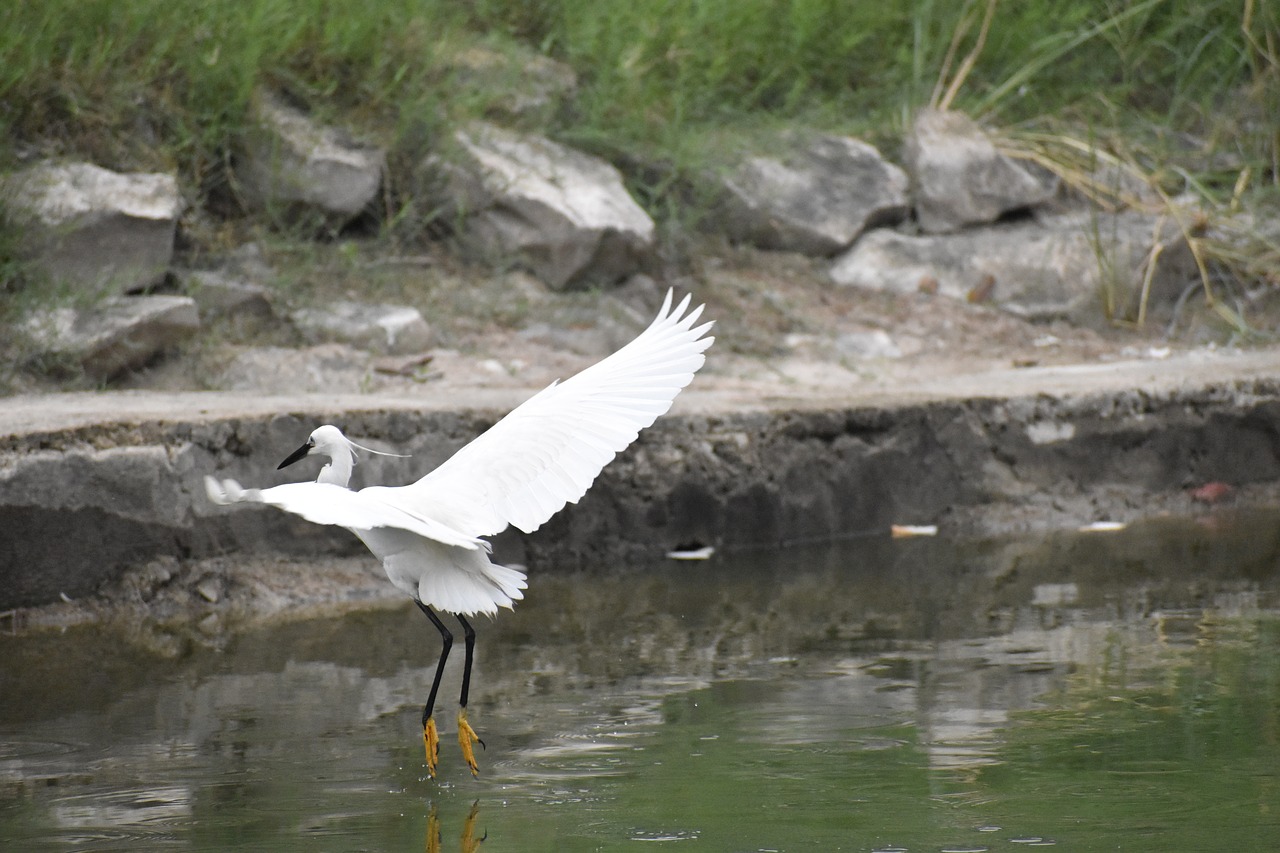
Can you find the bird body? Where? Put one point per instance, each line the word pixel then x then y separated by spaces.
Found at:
pixel 429 535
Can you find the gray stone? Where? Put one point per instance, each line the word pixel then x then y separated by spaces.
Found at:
pixel 210 589
pixel 875 343
pixel 387 329
pixel 560 213
pixel 104 231
pixel 246 261
pixel 323 369
pixel 291 165
pixel 815 199
pixel 1085 267
pixel 960 178
pixel 224 296
pixel 122 333
pixel 85 514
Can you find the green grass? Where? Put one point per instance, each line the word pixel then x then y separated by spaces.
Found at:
pixel 1188 91
pixel 155 83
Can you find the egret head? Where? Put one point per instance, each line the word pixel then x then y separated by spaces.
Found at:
pixel 327 440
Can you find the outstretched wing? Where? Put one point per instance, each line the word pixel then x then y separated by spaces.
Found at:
pixel 551 448
pixel 326 503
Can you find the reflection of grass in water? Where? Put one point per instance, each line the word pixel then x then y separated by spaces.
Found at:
pixel 1189 752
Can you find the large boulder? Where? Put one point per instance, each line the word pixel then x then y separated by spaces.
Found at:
pixel 1084 266
pixel 121 333
pixel 290 165
pixel 560 213
pixel 960 178
pixel 814 198
pixel 106 232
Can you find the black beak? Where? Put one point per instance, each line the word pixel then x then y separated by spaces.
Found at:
pixel 300 453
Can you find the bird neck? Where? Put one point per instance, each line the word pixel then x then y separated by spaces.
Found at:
pixel 338 471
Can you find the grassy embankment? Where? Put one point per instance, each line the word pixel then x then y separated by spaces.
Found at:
pixel 1186 92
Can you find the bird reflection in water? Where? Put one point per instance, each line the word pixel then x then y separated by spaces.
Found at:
pixel 467 842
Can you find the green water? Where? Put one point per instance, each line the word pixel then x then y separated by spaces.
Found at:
pixel 1086 692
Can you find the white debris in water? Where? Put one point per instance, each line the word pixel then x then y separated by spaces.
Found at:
pixel 692 554
pixel 1048 432
pixel 1103 527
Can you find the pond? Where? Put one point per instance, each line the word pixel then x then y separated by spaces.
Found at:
pixel 1082 691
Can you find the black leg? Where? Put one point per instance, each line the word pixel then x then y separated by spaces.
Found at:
pixel 447 640
pixel 469 637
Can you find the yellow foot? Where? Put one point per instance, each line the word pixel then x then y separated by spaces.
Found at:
pixel 433 830
pixel 431 743
pixel 466 737
pixel 469 843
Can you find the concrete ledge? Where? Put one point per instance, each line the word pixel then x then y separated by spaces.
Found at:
pixel 92 485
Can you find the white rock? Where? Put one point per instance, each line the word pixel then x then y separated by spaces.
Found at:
pixel 816 198
pixel 959 176
pixel 1058 267
pixel 562 214
pixel 122 333
pixel 388 329
pixel 108 232
pixel 289 163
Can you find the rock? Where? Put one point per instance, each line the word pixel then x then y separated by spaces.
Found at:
pixel 875 343
pixel 1060 267
pixel 960 178
pixel 104 231
pixel 515 83
pixel 122 333
pixel 224 296
pixel 211 589
pixel 328 368
pixel 246 261
pixel 814 199
pixel 306 171
pixel 562 214
pixel 85 515
pixel 387 329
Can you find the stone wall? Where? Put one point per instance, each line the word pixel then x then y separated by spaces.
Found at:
pixel 80 505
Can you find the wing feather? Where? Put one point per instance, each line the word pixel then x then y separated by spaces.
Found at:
pixel 326 503
pixel 549 450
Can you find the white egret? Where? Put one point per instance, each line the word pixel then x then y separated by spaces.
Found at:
pixel 521 471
